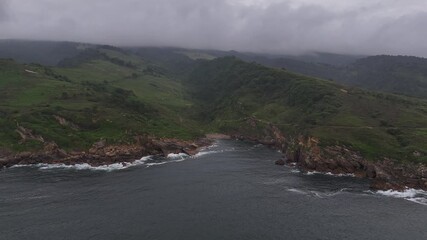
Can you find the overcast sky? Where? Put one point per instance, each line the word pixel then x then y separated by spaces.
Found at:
pixel 280 26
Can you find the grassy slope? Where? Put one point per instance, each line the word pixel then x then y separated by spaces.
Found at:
pixel 374 123
pixel 149 84
pixel 392 74
pixel 395 74
pixel 104 99
pixel 115 95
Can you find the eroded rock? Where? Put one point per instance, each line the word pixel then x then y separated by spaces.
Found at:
pixel 102 154
pixel 280 162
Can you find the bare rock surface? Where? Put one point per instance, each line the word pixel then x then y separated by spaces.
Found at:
pixel 102 154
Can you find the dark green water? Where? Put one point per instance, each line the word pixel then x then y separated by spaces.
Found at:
pixel 234 191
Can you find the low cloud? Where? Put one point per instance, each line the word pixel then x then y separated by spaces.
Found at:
pixel 3 11
pixel 277 26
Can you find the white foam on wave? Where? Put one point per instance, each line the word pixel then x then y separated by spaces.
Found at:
pixel 177 155
pixel 171 158
pixel 164 162
pixel 20 166
pixel 331 174
pixel 199 154
pixel 404 194
pixel 86 166
pixel 414 195
pixel 419 200
pixel 341 174
pixel 410 194
pixel 214 145
pixel 317 194
pixel 294 190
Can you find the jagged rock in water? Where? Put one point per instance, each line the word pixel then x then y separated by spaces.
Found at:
pixel 280 162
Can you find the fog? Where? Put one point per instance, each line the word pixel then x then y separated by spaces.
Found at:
pixel 274 26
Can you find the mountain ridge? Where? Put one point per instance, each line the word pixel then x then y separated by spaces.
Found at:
pixel 117 96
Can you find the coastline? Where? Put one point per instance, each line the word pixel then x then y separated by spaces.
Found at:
pixel 101 154
pixel 306 154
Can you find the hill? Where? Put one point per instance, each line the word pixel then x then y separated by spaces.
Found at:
pixel 318 124
pixel 395 74
pixel 101 89
pixel 392 74
pixel 115 96
pixel 112 96
pixel 41 52
pixel 376 124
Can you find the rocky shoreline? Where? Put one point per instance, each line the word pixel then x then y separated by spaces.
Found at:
pixel 303 152
pixel 102 154
pixel 308 155
pixel 385 174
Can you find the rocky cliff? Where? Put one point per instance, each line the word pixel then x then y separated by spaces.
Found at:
pixel 102 154
pixel 307 153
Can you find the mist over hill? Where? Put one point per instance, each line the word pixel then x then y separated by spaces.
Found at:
pixel 204 87
pixel 308 110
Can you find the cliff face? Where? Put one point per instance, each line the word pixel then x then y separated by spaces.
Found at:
pixel 385 173
pixel 307 154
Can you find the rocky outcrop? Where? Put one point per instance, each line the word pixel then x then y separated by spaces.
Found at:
pixel 64 122
pixel 391 175
pixel 280 162
pixel 217 136
pixel 385 173
pixel 102 154
pixel 27 134
pixel 308 155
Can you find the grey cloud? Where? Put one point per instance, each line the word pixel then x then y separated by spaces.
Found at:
pixel 3 11
pixel 280 26
pixel 406 33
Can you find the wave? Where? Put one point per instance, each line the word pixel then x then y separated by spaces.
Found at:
pixel 147 161
pixel 86 166
pixel 294 190
pixel 317 194
pixel 410 194
pixel 327 194
pixel 205 152
pixel 199 154
pixel 214 145
pixel 177 155
pixel 331 174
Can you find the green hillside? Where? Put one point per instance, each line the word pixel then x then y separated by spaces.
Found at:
pixel 392 74
pixel 117 94
pixel 376 124
pixel 102 97
pixel 395 74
